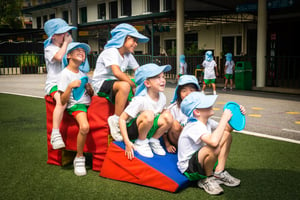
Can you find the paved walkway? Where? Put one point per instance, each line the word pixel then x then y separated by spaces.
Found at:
pixel 268 114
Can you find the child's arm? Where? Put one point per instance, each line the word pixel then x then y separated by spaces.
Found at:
pixel 122 76
pixel 89 89
pixel 62 51
pixel 214 139
pixel 65 96
pixel 129 147
pixel 216 67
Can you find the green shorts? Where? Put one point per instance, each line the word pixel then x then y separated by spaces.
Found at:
pixel 209 81
pixel 133 131
pixel 74 110
pixel 53 90
pixel 228 76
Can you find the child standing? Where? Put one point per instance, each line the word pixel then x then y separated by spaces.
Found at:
pixel 183 66
pixel 110 79
pixel 186 85
pixel 229 69
pixel 203 142
pixel 70 80
pixel 54 49
pixel 145 119
pixel 210 66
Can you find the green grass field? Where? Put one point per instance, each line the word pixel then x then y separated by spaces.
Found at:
pixel 268 169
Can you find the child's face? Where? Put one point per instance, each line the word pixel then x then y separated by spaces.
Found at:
pixel 77 54
pixel 130 44
pixel 58 39
pixel 157 83
pixel 206 112
pixel 186 90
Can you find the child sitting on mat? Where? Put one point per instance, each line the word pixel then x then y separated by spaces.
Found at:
pixel 145 119
pixel 203 142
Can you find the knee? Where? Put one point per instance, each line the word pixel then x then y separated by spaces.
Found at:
pixel 167 118
pixel 84 129
pixel 124 87
pixel 147 116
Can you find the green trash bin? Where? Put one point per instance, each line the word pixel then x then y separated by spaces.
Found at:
pixel 243 75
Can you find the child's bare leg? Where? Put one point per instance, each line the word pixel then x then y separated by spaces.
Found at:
pixel 231 83
pixel 204 86
pixel 58 111
pixel 144 123
pixel 121 90
pixel 174 132
pixel 207 157
pixel 225 145
pixel 164 123
pixel 226 82
pixel 84 129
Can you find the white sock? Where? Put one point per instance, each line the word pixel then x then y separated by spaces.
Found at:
pixel 138 141
pixel 55 131
pixel 154 140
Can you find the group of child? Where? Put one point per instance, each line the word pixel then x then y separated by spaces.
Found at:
pixel 185 126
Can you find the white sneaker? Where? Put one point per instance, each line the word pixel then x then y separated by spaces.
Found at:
pixel 57 141
pixel 210 186
pixel 79 166
pixel 157 148
pixel 226 179
pixel 143 148
pixel 113 122
pixel 214 92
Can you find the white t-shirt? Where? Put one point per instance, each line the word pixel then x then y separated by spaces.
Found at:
pixel 229 65
pixel 66 78
pixel 53 67
pixel 142 103
pixel 177 113
pixel 183 68
pixel 209 69
pixel 190 141
pixel 107 58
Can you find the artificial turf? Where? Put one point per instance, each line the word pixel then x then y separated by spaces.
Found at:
pixel 268 169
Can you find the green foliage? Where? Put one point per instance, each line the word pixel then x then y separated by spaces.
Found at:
pixel 27 59
pixel 10 12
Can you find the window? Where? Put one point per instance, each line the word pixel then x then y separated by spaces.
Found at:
pixel 126 7
pixel 83 15
pixel 190 40
pixel 39 22
pixel 167 5
pixel 102 11
pixel 65 16
pixel 52 16
pixel 153 6
pixel 232 44
pixel 45 18
pixel 113 10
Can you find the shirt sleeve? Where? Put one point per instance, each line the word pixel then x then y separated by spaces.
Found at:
pixel 63 82
pixel 135 106
pixel 132 63
pixel 111 57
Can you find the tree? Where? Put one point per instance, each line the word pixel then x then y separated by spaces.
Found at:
pixel 10 13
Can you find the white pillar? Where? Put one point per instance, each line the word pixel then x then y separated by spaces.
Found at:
pixel 179 31
pixel 261 43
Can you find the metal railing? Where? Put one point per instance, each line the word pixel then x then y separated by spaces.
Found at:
pixel 281 71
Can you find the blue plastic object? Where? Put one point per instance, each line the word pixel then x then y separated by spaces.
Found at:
pixel 79 91
pixel 238 119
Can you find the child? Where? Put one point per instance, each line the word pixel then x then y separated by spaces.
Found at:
pixel 203 142
pixel 76 106
pixel 183 66
pixel 229 69
pixel 55 48
pixel 186 85
pixel 144 119
pixel 209 71
pixel 109 79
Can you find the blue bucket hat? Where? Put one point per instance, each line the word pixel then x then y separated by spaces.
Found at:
pixel 208 56
pixel 84 67
pixel 183 80
pixel 119 34
pixel 196 100
pixel 182 58
pixel 147 71
pixel 55 26
pixel 228 56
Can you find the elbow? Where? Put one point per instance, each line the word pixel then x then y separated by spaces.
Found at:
pixel 214 143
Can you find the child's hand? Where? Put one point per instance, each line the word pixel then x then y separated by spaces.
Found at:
pixel 129 150
pixel 89 89
pixel 75 83
pixel 227 114
pixel 243 110
pixel 171 149
pixel 68 38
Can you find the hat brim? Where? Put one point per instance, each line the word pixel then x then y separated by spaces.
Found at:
pixel 141 38
pixel 84 46
pixel 162 68
pixel 207 101
pixel 64 29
